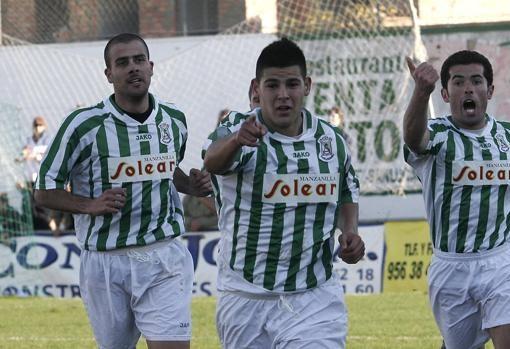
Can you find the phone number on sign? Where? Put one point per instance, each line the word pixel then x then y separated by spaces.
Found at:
pixel 406 270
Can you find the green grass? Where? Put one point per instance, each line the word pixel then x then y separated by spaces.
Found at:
pixel 388 321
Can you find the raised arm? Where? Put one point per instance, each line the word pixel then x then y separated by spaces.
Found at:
pixel 221 153
pixel 416 133
pixel 111 201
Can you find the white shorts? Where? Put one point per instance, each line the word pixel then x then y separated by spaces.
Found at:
pixel 141 289
pixel 316 319
pixel 470 293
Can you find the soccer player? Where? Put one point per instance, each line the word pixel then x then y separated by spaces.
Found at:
pixel 462 162
pixel 121 157
pixel 286 179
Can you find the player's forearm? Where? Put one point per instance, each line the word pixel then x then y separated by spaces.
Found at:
pixel 181 181
pixel 416 133
pixel 221 154
pixel 348 218
pixel 61 200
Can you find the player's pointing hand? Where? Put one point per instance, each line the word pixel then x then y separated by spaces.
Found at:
pixel 250 132
pixel 424 75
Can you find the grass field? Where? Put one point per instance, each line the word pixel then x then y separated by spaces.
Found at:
pixel 389 321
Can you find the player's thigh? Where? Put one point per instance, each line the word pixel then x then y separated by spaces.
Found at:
pixel 106 300
pixel 240 322
pixel 457 314
pixel 494 290
pixel 162 287
pixel 318 319
pixel 500 336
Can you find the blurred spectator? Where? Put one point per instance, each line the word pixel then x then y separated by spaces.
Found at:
pixel 199 213
pixel 337 118
pixel 34 149
pixel 31 156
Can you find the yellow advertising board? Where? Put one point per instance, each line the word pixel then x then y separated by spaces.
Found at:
pixel 408 254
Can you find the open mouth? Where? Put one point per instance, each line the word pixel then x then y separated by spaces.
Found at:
pixel 134 80
pixel 469 105
pixel 283 108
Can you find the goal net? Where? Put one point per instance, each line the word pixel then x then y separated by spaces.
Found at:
pixel 356 58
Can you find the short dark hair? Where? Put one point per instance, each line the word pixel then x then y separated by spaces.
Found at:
pixel 465 57
pixel 123 38
pixel 281 53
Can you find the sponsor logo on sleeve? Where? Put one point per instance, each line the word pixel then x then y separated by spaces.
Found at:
pixel 141 168
pixel 481 172
pixel 297 188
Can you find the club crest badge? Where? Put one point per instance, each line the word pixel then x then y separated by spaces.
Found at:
pixel 503 145
pixel 326 148
pixel 164 133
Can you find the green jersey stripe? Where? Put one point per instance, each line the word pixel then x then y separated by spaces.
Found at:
pixel 102 143
pixel 124 150
pixel 256 211
pixel 237 217
pixel 483 214
pixel 299 228
pixel 297 247
pixel 146 213
pixel 318 227
pixel 465 201
pixel 275 242
pixel 447 192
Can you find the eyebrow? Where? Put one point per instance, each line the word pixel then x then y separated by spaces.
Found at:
pixel 457 76
pixel 127 57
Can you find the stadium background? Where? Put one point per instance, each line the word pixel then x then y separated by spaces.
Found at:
pixel 204 53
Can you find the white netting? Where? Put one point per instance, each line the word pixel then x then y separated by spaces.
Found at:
pixel 355 49
pixel 356 57
pixel 356 52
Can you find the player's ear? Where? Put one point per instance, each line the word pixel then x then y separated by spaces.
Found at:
pixel 108 74
pixel 308 85
pixel 490 91
pixel 444 94
pixel 152 67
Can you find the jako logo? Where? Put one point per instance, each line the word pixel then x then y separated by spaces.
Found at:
pixel 143 137
pixel 300 154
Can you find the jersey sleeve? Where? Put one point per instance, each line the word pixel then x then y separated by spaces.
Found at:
pixel 438 134
pixel 62 155
pixel 350 185
pixel 230 124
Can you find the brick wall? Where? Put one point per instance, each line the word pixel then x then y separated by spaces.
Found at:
pixel 18 18
pixel 230 13
pixel 158 18
pixel 88 19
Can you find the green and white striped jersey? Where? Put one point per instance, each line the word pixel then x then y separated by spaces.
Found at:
pixel 465 185
pixel 278 207
pixel 101 147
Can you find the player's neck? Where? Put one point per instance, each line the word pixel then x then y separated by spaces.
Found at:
pixel 134 105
